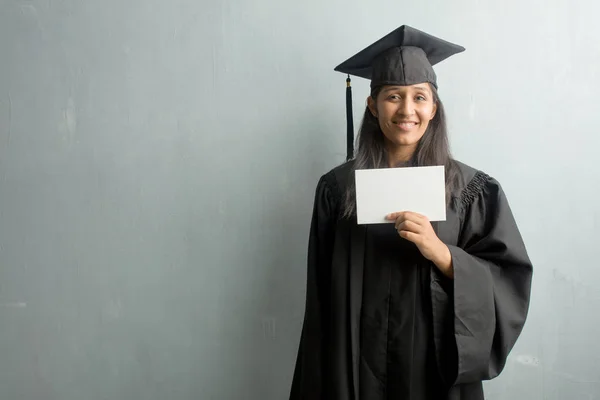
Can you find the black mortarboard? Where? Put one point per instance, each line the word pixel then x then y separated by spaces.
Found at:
pixel 403 57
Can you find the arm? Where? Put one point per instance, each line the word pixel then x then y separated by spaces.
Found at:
pixel 310 371
pixel 491 287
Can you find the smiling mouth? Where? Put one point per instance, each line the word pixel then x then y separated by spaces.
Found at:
pixel 406 125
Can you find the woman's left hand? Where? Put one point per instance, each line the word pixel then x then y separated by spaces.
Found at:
pixel 417 229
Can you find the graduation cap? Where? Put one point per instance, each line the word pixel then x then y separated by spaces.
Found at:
pixel 403 57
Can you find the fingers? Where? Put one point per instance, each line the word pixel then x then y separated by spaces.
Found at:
pixel 408 225
pixel 400 217
pixel 401 214
pixel 410 236
pixel 405 215
pixel 393 216
pixel 415 217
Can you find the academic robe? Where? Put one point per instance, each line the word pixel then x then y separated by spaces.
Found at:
pixel 382 322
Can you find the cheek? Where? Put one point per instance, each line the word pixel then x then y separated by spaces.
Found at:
pixel 386 109
pixel 426 114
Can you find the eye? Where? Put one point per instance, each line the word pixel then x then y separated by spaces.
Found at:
pixel 420 97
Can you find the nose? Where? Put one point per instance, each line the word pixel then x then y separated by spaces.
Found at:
pixel 406 107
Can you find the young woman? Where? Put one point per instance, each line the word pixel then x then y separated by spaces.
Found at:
pixel 409 310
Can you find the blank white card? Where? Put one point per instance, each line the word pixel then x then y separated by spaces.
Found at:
pixel 380 192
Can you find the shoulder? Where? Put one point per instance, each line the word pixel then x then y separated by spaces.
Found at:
pixel 343 171
pixel 337 179
pixel 332 186
pixel 474 184
pixel 468 173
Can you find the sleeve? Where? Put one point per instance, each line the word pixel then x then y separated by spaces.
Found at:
pixel 310 373
pixel 491 287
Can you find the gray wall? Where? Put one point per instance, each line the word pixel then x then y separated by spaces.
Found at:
pixel 157 167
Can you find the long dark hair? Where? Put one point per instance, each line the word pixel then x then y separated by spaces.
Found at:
pixel 432 149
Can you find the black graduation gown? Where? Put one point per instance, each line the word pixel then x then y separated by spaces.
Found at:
pixel 453 335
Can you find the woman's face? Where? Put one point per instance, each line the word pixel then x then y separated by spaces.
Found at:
pixel 403 113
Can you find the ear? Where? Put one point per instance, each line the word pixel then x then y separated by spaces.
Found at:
pixel 372 104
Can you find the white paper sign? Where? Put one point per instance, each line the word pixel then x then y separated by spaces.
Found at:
pixel 380 192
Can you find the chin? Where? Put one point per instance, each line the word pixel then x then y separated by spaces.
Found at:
pixel 405 141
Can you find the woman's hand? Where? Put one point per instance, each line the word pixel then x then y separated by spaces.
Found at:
pixel 417 229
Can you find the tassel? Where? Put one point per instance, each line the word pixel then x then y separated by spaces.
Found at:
pixel 349 122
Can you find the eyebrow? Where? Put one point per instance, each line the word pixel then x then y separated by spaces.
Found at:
pixel 423 88
pixel 393 88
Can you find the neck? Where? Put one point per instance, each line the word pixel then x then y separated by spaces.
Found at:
pixel 399 155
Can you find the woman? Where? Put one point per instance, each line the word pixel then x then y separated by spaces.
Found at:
pixel 410 309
